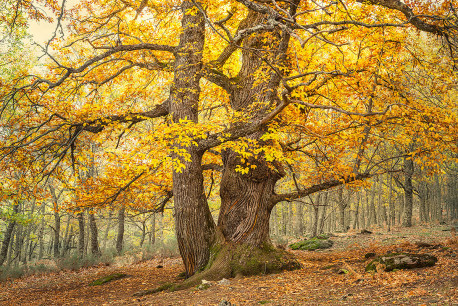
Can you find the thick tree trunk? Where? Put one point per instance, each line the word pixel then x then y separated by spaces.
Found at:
pixel 95 250
pixel 246 198
pixel 245 201
pixel 194 225
pixel 120 237
pixel 408 191
pixel 8 235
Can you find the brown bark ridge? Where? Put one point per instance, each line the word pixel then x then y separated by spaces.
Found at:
pixel 194 224
pixel 246 198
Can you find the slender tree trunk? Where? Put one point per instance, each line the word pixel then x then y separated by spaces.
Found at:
pixel 107 230
pixel 355 220
pixel 143 236
pixel 152 237
pixel 11 249
pixel 19 243
pixel 316 207
pixel 120 237
pixel 342 204
pixel 373 211
pixel 438 198
pixel 422 195
pixel 55 203
pixel 41 233
pixel 8 235
pixel 87 239
pixel 41 240
pixel 299 219
pixel 95 250
pixel 408 191
pixel 362 219
pixel 65 238
pixel 81 234
pixel 323 213
pixel 392 213
pixel 160 228
pixel 284 219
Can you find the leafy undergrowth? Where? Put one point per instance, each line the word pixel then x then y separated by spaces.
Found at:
pixel 334 277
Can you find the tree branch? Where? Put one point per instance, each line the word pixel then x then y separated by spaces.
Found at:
pixel 318 187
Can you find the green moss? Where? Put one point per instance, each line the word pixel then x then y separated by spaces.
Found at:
pixel 371 267
pixel 312 244
pixel 398 261
pixel 369 255
pixel 166 286
pixel 107 279
pixel 203 286
pixel 323 236
pixel 182 275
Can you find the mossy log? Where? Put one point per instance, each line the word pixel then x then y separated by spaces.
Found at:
pixel 312 244
pixel 398 261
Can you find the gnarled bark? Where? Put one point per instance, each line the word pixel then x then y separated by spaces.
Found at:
pixel 194 224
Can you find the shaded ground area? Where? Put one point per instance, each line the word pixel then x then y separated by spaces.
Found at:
pixel 329 277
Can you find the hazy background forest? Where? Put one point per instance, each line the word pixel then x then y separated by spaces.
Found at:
pixel 36 233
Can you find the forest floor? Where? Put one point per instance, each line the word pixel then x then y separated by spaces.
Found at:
pixel 317 283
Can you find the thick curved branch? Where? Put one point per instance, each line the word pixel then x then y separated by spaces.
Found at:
pixel 318 187
pixel 97 125
pixel 407 11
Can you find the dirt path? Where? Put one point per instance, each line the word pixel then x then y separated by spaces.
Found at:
pixel 319 282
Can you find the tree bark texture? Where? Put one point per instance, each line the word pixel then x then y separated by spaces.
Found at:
pixel 194 225
pixel 246 198
pixel 81 235
pixel 95 249
pixel 408 191
pixel 120 237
